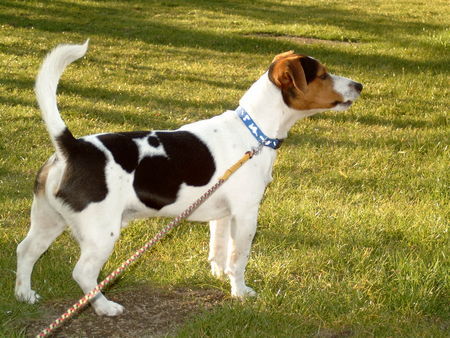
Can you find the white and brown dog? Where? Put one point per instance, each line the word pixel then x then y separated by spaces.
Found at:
pixel 98 183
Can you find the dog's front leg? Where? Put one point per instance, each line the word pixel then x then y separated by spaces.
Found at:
pixel 218 245
pixel 242 231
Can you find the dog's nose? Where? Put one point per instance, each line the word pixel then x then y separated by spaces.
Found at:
pixel 358 86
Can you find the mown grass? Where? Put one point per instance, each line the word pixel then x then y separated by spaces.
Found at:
pixel 353 235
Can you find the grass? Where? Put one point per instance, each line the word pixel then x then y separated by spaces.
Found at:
pixel 353 234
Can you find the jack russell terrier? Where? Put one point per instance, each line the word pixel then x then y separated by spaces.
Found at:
pixel 96 184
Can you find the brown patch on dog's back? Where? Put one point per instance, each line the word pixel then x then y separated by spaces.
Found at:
pixel 41 177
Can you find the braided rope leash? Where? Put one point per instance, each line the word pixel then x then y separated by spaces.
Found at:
pixel 113 275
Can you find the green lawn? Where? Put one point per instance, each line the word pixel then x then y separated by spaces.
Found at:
pixel 353 231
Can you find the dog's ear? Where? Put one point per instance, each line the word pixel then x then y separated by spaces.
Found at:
pixel 283 55
pixel 287 73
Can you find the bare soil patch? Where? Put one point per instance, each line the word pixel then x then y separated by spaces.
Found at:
pixel 301 39
pixel 149 312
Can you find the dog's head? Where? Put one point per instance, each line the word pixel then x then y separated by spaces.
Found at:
pixel 306 84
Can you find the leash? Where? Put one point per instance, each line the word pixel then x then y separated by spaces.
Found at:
pixel 113 275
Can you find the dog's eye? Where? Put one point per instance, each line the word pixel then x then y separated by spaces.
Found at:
pixel 324 76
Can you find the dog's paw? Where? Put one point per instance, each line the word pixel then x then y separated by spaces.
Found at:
pixel 217 270
pixel 109 309
pixel 243 292
pixel 28 296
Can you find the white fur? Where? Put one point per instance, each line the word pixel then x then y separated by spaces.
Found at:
pixel 344 86
pixel 232 211
pixel 47 82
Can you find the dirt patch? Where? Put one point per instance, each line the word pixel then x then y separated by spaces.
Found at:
pixel 326 333
pixel 149 312
pixel 301 39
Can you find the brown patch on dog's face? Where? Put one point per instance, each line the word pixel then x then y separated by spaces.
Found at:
pixel 287 73
pixel 304 82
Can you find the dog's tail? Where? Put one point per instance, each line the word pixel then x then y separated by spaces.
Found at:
pixel 46 85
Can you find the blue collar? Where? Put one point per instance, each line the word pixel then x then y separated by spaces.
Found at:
pixel 273 143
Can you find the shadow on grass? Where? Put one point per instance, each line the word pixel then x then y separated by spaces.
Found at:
pixel 400 122
pixel 118 98
pixel 140 23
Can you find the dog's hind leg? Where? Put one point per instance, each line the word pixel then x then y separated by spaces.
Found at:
pixel 96 239
pixel 218 245
pixel 46 225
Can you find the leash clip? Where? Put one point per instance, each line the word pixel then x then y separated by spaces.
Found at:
pixel 256 150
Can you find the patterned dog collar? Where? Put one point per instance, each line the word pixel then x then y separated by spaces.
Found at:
pixel 273 143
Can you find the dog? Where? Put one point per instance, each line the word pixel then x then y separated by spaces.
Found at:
pixel 97 184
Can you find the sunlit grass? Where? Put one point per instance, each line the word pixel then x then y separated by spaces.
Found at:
pixel 353 231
